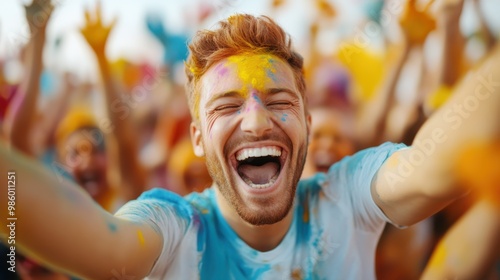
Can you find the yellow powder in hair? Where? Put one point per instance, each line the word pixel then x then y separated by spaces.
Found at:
pixel 77 118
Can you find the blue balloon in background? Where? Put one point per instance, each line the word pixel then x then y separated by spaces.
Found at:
pixel 175 45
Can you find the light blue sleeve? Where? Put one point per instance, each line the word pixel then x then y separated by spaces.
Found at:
pixel 167 213
pixel 353 177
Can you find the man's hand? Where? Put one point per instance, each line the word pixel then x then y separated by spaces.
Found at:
pixel 155 26
pixel 95 32
pixel 37 15
pixel 416 24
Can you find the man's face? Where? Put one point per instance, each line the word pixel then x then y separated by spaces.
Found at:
pixel 86 160
pixel 253 130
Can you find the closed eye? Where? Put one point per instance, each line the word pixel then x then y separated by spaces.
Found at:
pixel 280 105
pixel 227 108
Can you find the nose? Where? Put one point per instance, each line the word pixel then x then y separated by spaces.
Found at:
pixel 256 119
pixel 85 161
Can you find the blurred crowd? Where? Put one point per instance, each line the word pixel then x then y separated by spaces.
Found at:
pixel 129 131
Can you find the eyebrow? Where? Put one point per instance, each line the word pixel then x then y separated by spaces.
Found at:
pixel 272 91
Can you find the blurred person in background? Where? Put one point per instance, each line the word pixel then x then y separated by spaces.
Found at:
pixel 330 140
pixel 188 172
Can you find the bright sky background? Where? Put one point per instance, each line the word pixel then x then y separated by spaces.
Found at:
pixel 130 38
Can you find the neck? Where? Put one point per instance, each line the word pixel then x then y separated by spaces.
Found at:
pixel 261 238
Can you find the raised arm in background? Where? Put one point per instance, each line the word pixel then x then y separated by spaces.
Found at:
pixel 132 174
pixel 20 117
pixel 415 25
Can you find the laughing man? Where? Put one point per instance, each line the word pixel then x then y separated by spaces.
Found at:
pixel 258 221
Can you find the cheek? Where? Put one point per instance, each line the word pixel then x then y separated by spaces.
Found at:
pixel 218 127
pixel 292 123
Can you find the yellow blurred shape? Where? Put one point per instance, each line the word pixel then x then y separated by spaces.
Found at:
pixel 478 167
pixel 366 68
pixel 417 24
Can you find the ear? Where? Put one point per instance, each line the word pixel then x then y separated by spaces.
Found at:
pixel 308 125
pixel 197 140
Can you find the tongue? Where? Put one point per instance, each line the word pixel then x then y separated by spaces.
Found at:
pixel 258 174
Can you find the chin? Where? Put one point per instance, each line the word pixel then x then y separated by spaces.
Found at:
pixel 258 179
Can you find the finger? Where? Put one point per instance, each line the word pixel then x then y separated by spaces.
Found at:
pixel 50 8
pixel 98 12
pixel 428 5
pixel 88 19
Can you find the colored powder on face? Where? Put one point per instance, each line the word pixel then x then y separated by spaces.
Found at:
pixel 271 75
pixel 254 106
pixel 256 97
pixel 283 117
pixel 140 236
pixel 254 71
pixel 221 70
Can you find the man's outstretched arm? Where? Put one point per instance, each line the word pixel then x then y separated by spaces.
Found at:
pixel 59 225
pixel 417 182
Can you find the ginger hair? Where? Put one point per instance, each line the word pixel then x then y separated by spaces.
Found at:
pixel 239 34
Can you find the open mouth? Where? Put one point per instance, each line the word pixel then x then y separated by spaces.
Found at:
pixel 90 181
pixel 259 167
pixel 323 161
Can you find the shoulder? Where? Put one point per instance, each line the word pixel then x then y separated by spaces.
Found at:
pixel 186 207
pixel 365 162
pixel 162 205
pixel 311 186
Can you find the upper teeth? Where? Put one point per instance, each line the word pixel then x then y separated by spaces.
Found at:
pixel 258 152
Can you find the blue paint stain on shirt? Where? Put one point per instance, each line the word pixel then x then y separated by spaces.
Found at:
pixel 218 244
pixel 307 191
pixel 183 208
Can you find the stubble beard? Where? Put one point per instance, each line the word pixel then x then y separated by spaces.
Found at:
pixel 269 210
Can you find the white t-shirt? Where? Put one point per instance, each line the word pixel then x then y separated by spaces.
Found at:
pixel 333 235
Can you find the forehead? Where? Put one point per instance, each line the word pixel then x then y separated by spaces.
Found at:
pixel 245 73
pixel 84 138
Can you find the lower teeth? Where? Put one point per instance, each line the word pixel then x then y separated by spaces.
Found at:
pixel 260 186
